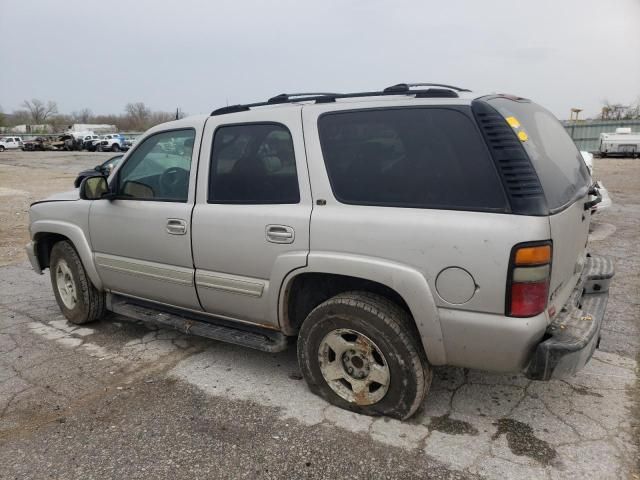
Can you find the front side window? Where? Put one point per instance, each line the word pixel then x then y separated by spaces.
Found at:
pixel 159 168
pixel 253 164
pixel 409 157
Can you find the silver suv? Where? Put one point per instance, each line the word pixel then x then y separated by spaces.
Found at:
pixel 388 232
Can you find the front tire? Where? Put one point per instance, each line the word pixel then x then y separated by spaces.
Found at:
pixel 1 148
pixel 79 301
pixel 360 351
pixel 115 147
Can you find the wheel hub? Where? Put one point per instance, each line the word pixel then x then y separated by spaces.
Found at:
pixel 66 285
pixel 355 364
pixel 354 367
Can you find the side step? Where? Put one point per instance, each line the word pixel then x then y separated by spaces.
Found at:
pixel 222 330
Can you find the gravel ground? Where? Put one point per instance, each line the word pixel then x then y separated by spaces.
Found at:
pixel 119 400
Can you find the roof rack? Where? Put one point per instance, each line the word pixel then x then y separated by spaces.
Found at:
pixel 286 97
pixel 446 91
pixel 406 87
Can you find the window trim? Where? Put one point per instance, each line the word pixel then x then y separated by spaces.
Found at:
pixel 464 110
pixel 211 172
pixel 116 177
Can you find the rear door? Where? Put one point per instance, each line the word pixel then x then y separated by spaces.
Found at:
pixel 251 219
pixel 565 181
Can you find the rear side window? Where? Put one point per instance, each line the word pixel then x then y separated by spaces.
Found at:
pixel 558 162
pixel 253 164
pixel 409 157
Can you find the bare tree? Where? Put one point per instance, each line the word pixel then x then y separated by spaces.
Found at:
pixel 18 117
pixel 138 114
pixel 39 111
pixel 618 111
pixel 82 116
pixel 156 118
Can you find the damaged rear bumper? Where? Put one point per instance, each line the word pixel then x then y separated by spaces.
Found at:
pixel 574 334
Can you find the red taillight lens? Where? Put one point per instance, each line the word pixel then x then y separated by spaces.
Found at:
pixel 529 299
pixel 528 282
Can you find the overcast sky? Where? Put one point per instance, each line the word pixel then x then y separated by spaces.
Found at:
pixel 199 55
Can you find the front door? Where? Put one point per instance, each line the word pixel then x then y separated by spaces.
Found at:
pixel 251 220
pixel 142 238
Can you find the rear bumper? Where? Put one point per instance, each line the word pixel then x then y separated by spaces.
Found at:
pixel 574 334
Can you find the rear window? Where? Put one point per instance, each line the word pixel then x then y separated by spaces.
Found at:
pixel 558 162
pixel 409 157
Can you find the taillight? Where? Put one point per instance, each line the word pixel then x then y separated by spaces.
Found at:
pixel 528 281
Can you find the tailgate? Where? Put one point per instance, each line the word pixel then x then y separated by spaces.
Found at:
pixel 565 181
pixel 569 233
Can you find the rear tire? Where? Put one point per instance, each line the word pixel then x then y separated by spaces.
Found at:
pixel 1 148
pixel 360 351
pixel 79 301
pixel 115 147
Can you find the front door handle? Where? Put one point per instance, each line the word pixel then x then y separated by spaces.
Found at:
pixel 176 226
pixel 280 234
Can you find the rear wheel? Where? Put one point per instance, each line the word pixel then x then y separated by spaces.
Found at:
pixel 115 147
pixel 79 301
pixel 1 148
pixel 360 352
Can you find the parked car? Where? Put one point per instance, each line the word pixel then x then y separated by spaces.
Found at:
pixel 89 141
pixel 104 168
pixel 386 232
pixel 605 199
pixel 113 142
pixel 37 144
pixel 11 143
pixel 130 142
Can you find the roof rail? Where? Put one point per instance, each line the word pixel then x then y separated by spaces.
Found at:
pixel 285 97
pixel 406 87
pixel 399 89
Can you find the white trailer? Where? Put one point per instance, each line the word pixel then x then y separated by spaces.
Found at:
pixel 623 143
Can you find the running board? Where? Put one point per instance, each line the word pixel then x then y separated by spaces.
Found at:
pixel 251 337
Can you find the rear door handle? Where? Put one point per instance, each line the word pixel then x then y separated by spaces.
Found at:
pixel 280 234
pixel 176 226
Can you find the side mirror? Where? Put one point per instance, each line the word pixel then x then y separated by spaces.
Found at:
pixel 93 188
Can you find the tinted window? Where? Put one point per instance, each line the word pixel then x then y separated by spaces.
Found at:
pixel 253 164
pixel 412 157
pixel 560 167
pixel 159 168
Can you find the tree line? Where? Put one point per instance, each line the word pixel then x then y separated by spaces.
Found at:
pixel 136 117
pixel 618 111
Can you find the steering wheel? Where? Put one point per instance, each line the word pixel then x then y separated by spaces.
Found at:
pixel 172 178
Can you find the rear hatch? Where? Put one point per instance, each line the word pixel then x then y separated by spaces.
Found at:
pixel 565 180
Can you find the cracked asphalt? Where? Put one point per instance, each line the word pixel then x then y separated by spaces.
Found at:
pixel 118 399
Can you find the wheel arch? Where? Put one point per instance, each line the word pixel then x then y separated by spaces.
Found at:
pixel 327 275
pixel 46 233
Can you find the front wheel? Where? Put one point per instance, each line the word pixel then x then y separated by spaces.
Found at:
pixel 115 147
pixel 79 301
pixel 360 351
pixel 1 148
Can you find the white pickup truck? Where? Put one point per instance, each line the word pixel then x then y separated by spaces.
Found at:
pixel 7 143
